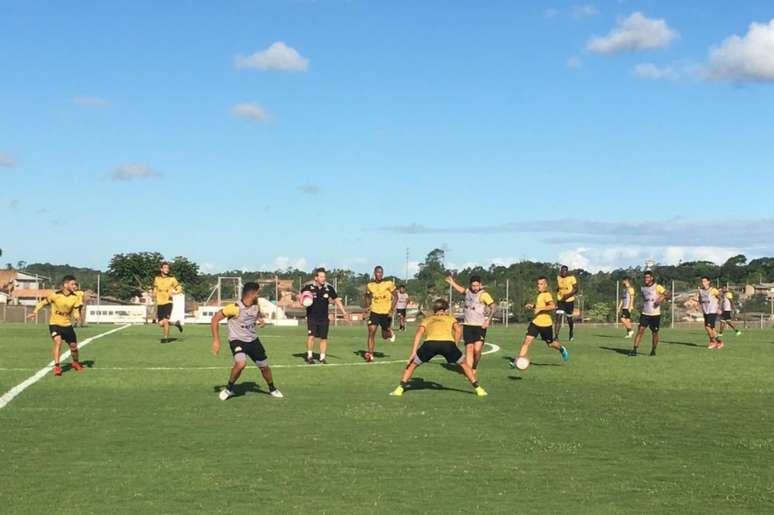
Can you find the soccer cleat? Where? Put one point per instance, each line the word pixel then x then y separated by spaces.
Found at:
pixel 179 326
pixel 57 370
pixel 572 338
pixel 397 392
pixel 739 333
pixel 712 346
pixel 225 394
pixel 368 357
pixel 720 345
pixel 165 340
pixel 323 362
pixel 276 394
pixel 77 366
pixel 309 360
pixel 392 338
pixel 633 353
pixel 629 335
pixel 653 352
pixel 565 354
pixel 480 392
pixel 512 363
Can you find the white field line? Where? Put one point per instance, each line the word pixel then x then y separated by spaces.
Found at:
pixel 493 348
pixel 40 374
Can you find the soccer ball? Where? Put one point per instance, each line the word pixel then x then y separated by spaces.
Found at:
pixel 522 363
pixel 306 299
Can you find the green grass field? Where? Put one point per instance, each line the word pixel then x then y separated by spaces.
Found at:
pixel 142 430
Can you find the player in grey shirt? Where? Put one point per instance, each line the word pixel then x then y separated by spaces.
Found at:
pixel 243 318
pixel 401 307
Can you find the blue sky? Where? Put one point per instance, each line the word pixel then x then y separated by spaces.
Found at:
pixel 258 134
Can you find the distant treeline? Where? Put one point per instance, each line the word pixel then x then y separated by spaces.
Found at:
pixel 129 274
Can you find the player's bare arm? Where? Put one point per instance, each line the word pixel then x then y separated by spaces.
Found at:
pixel 340 305
pixel 215 330
pixel 457 333
pixel 489 313
pixel 457 287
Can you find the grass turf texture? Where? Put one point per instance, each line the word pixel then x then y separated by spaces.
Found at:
pixel 689 431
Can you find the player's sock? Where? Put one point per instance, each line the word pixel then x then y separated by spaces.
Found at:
pixel 404 384
pixel 475 384
pixel 230 386
pixel 308 354
pixel 272 387
pixel 322 356
pixel 571 326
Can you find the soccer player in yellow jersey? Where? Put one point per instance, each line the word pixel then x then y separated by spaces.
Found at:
pixel 565 306
pixel 164 287
pixel 65 305
pixel 81 309
pixel 541 324
pixel 727 313
pixel 381 297
pixel 441 333
pixel 626 306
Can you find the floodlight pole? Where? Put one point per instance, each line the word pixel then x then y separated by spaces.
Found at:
pixel 335 305
pixel 507 295
pixel 673 303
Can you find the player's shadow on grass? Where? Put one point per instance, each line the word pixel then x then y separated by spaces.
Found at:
pixel 377 354
pixel 618 350
pixel 606 336
pixel 453 367
pixel 315 356
pixel 241 389
pixel 687 344
pixel 532 363
pixel 417 383
pixel 89 363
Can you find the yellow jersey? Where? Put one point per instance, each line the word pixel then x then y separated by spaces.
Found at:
pixel 566 284
pixel 439 328
pixel 62 305
pixel 381 296
pixel 543 319
pixel 165 287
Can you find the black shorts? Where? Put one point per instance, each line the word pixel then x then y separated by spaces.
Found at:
pixel 318 328
pixel 545 333
pixel 726 316
pixel 626 314
pixel 472 334
pixel 384 321
pixel 401 312
pixel 254 350
pixel 66 332
pixel 568 308
pixel 164 311
pixel 429 349
pixel 652 322
pixel 710 320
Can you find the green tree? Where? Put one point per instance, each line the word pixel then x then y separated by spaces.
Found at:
pixel 128 275
pixel 600 312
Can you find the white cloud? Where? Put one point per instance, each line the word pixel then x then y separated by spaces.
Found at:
pixel 285 263
pixel 636 32
pixel 130 171
pixel 610 258
pixel 278 56
pixel 653 72
pixel 580 11
pixel 251 111
pixel 750 57
pixel 574 63
pixel 97 102
pixel 7 161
